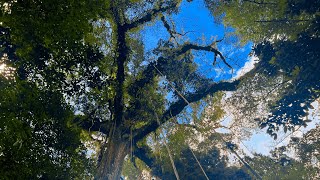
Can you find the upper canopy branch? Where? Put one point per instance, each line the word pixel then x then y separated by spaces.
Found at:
pixel 173 33
pixel 169 29
pixel 188 46
pixel 152 14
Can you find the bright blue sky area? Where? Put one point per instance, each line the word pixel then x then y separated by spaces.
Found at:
pixel 196 19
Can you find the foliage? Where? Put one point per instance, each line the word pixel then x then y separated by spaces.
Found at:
pixel 130 171
pixel 305 149
pixel 53 24
pixel 82 64
pixel 43 42
pixel 259 20
pixel 37 137
pixel 297 61
pixel 279 169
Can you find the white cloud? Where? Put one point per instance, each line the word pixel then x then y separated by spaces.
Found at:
pixel 249 65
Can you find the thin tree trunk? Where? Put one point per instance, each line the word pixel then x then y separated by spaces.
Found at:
pixel 112 159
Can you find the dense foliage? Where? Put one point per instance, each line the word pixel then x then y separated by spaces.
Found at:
pixel 38 139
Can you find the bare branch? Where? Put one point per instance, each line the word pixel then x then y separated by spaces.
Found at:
pixel 215 59
pixel 173 33
pixel 187 46
pixel 151 15
pixel 170 31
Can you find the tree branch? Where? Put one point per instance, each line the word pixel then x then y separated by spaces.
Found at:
pixel 142 154
pixel 149 73
pixel 178 106
pixel 94 125
pixel 151 15
pixel 187 46
pixel 170 31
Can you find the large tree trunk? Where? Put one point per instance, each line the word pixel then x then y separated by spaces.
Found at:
pixel 112 159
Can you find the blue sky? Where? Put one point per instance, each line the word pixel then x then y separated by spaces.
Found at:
pixel 196 19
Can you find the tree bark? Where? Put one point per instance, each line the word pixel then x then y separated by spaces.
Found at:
pixel 112 159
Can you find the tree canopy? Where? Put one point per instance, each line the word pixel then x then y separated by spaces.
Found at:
pixel 78 73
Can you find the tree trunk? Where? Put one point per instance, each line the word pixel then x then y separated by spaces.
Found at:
pixel 112 159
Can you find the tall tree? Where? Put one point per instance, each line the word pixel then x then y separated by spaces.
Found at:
pixel 110 96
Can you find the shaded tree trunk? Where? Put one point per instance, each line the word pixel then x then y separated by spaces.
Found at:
pixel 112 159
